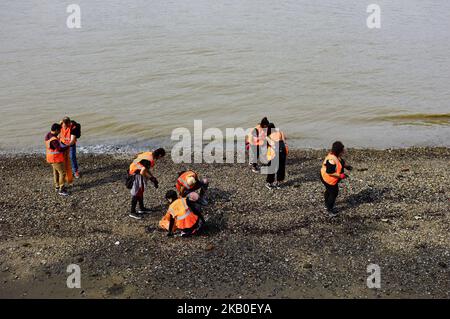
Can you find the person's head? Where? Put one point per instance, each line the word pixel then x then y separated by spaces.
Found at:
pixel 270 128
pixel 193 197
pixel 337 148
pixel 158 153
pixel 56 128
pixel 171 196
pixel 264 122
pixel 190 180
pixel 66 121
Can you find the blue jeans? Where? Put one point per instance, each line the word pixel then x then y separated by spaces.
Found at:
pixel 73 158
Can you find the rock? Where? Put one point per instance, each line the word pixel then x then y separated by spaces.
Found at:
pixel 442 264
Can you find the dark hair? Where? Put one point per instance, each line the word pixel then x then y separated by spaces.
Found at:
pixel 160 152
pixel 66 120
pixel 171 194
pixel 270 127
pixel 55 127
pixel 337 148
pixel 264 122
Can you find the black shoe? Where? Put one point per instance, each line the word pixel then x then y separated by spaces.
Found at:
pixel 144 210
pixel 62 192
pixel 135 216
pixel 269 186
pixel 332 212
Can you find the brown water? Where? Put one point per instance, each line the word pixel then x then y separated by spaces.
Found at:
pixel 138 69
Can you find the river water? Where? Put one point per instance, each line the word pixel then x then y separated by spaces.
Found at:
pixel 138 69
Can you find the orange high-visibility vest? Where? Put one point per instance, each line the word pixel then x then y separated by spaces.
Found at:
pixel 65 134
pixel 53 156
pixel 257 140
pixel 276 137
pixel 135 166
pixel 147 156
pixel 184 217
pixel 331 180
pixel 182 180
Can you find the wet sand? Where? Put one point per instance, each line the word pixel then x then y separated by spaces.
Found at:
pixel 257 244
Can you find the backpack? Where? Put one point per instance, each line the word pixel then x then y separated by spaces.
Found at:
pixel 78 129
pixel 129 180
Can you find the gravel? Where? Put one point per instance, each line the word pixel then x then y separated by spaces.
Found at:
pixel 258 243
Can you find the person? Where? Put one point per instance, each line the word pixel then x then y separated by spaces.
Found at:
pixel 140 171
pixel 277 151
pixel 255 139
pixel 331 173
pixel 189 181
pixel 68 137
pixel 183 215
pixel 55 156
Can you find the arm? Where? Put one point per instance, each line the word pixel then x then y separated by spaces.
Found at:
pixel 73 140
pixel 171 223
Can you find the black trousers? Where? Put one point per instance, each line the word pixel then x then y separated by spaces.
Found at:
pixel 134 201
pixel 330 195
pixel 281 171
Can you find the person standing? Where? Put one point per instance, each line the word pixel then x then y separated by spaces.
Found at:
pixel 55 156
pixel 140 172
pixel 68 138
pixel 255 139
pixel 277 151
pixel 331 173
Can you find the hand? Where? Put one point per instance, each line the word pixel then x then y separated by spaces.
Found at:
pixel 154 181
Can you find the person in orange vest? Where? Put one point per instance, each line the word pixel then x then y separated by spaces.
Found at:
pixel 189 181
pixel 68 138
pixel 55 156
pixel 277 151
pixel 255 139
pixel 139 172
pixel 183 215
pixel 331 173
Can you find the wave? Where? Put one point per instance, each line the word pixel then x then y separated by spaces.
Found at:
pixel 417 119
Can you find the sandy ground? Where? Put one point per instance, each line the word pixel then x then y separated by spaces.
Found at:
pixel 394 212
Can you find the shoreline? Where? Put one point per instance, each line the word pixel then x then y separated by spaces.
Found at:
pixel 258 243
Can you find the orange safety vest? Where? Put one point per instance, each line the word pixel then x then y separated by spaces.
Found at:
pixel 136 166
pixel 276 137
pixel 147 156
pixel 53 156
pixel 184 217
pixel 182 180
pixel 65 134
pixel 257 140
pixel 331 180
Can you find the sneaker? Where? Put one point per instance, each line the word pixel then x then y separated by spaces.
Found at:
pixel 332 212
pixel 269 186
pixel 144 210
pixel 255 169
pixel 77 175
pixel 277 186
pixel 62 192
pixel 135 216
